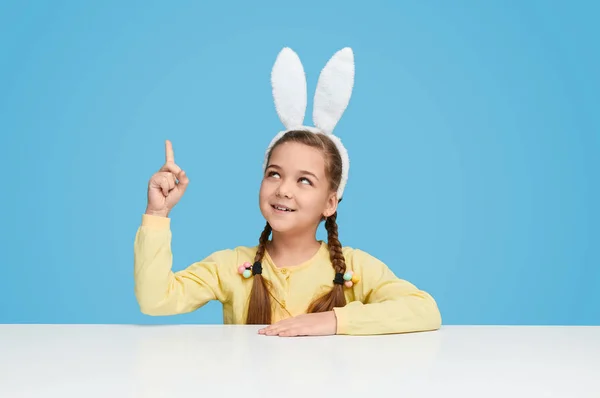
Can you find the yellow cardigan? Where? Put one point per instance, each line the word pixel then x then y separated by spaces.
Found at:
pixel 379 303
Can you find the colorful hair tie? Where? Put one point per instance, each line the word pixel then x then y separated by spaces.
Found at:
pixel 247 269
pixel 348 279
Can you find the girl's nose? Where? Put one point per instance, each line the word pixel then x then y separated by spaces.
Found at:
pixel 283 191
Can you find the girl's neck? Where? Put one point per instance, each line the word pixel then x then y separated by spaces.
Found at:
pixel 288 250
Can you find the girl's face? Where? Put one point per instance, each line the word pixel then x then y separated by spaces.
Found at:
pixel 295 180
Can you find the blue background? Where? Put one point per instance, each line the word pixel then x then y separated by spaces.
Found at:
pixel 473 133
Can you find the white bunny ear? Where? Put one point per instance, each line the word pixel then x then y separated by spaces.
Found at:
pixel 289 88
pixel 334 90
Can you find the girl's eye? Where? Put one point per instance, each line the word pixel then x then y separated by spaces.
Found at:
pixel 274 173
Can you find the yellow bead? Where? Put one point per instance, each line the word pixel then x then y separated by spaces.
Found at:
pixel 355 279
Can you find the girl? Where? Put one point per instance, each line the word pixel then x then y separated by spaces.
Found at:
pixel 292 283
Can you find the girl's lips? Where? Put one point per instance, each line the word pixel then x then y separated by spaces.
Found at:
pixel 282 209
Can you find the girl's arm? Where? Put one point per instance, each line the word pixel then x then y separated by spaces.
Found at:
pixel 159 290
pixel 385 303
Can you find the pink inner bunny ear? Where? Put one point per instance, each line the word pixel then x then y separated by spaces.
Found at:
pixel 334 90
pixel 289 88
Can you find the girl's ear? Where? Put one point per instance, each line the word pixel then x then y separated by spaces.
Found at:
pixel 332 203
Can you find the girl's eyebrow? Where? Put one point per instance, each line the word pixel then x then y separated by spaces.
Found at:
pixel 301 171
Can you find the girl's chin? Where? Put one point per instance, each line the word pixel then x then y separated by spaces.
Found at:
pixel 280 225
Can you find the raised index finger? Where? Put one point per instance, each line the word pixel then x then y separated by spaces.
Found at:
pixel 170 156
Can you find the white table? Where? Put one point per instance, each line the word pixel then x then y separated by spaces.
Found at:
pixel 221 361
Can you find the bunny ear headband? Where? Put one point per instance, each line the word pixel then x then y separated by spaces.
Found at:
pixel 333 92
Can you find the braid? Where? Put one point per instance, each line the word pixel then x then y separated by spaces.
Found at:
pixel 335 247
pixel 262 243
pixel 335 298
pixel 259 308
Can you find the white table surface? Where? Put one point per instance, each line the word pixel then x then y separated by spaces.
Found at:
pixel 221 361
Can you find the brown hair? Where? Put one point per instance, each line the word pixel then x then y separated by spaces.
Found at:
pixel 259 308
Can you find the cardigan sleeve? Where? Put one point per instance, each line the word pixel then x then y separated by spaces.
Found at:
pixel 159 290
pixel 386 304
